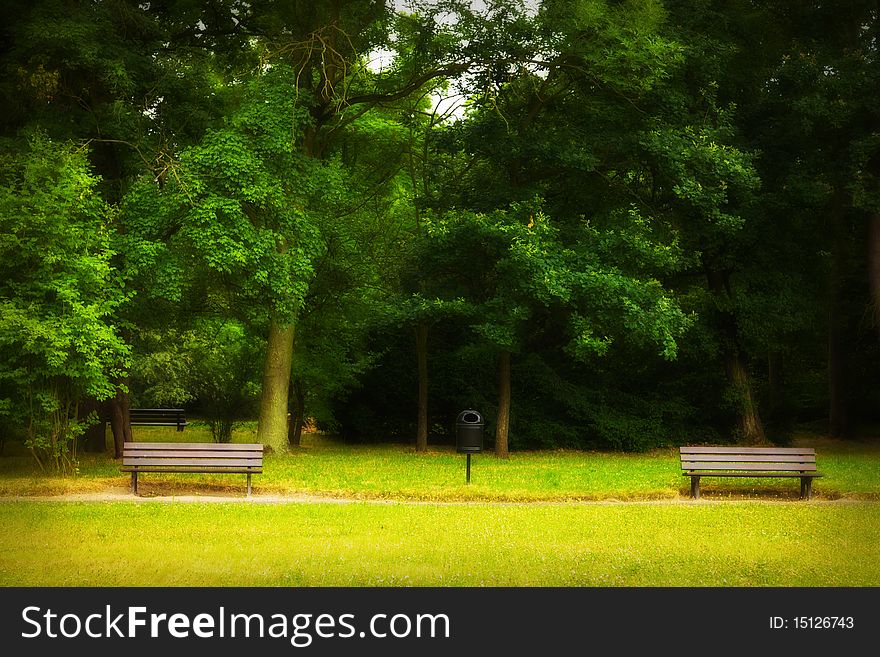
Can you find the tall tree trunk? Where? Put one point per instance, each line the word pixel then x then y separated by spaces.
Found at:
pixel 874 265
pixel 272 424
pixel 839 420
pixel 838 390
pixel 503 421
pixel 295 427
pixel 422 357
pixel 750 429
pixel 108 163
pixel 120 417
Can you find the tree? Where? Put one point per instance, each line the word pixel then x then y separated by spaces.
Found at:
pixel 795 83
pixel 826 144
pixel 112 74
pixel 326 47
pixel 57 294
pixel 557 126
pixel 519 278
pixel 707 178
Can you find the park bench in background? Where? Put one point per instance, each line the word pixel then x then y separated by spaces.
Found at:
pixel 800 462
pixel 192 457
pixel 154 417
pixel 159 417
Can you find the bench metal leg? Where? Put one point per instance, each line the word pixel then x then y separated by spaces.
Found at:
pixel 134 483
pixel 695 487
pixel 249 484
pixel 806 488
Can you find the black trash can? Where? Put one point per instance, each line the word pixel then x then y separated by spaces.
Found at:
pixel 469 432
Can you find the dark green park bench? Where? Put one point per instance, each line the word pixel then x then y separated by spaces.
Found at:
pixel 154 417
pixel 159 417
pixel 703 461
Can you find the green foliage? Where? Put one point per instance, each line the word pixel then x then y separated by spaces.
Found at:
pixel 520 267
pixel 620 44
pixel 639 194
pixel 710 178
pixel 58 293
pixel 212 367
pixel 248 194
pixel 234 219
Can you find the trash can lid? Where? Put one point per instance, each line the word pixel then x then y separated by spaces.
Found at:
pixel 469 417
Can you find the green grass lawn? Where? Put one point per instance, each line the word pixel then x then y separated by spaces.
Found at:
pixel 537 519
pixel 325 467
pixel 398 544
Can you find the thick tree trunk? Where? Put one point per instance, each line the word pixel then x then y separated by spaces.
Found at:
pixel 422 357
pixel 120 417
pixel 272 424
pixel 502 422
pixel 295 427
pixel 750 429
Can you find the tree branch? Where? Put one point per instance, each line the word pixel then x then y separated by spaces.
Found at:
pixel 411 86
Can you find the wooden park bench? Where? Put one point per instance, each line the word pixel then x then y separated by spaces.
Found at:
pixel 192 457
pixel 158 417
pixel 800 462
pixel 153 417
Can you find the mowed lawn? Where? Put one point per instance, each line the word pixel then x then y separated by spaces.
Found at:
pixel 325 467
pixel 750 543
pixel 397 518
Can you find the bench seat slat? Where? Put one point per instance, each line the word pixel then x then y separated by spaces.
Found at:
pixel 159 424
pixel 751 458
pixel 719 473
pixel 157 412
pixel 215 470
pixel 226 447
pixel 193 463
pixel 776 467
pixel 191 454
pixel 727 449
pixel 155 415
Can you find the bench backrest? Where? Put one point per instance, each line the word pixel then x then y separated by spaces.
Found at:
pixel 220 456
pixel 772 459
pixel 157 416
